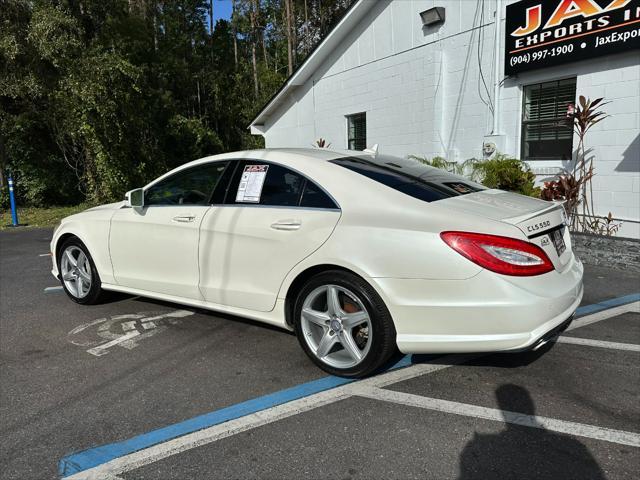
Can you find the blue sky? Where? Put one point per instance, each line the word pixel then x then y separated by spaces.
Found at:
pixel 221 9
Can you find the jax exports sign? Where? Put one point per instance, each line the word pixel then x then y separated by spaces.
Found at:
pixel 542 33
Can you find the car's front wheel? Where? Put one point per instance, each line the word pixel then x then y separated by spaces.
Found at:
pixel 343 324
pixel 78 273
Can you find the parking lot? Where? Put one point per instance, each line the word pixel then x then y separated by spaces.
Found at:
pixel 138 389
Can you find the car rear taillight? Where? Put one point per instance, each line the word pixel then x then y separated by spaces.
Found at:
pixel 504 255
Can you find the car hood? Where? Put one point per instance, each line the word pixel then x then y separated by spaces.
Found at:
pixel 99 211
pixel 106 206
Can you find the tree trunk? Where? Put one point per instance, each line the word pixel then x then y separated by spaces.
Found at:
pixel 254 40
pixel 155 26
pixel 235 34
pixel 287 4
pixel 294 33
pixel 211 29
pixel 306 29
pixel 3 163
pixel 264 51
pixel 211 17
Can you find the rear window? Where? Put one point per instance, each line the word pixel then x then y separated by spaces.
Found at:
pixel 410 177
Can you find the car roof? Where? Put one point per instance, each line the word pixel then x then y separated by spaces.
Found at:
pixel 266 153
pixel 291 157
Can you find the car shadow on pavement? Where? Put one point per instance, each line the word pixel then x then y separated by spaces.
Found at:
pixel 500 360
pixel 523 452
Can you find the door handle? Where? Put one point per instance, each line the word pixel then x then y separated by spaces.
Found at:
pixel 184 218
pixel 286 225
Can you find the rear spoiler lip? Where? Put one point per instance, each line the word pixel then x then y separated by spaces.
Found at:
pixel 529 215
pixel 521 221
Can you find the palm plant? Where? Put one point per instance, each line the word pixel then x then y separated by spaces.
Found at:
pixel 322 143
pixel 584 117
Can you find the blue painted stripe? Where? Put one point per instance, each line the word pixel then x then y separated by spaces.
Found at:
pixel 93 457
pixel 614 302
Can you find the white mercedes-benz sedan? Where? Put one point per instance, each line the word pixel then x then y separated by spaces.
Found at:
pixel 358 253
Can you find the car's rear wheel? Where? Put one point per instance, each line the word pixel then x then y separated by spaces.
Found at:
pixel 343 324
pixel 78 273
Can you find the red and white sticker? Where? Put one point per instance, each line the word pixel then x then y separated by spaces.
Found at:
pixel 251 183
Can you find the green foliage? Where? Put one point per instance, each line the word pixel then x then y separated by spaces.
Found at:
pixel 442 163
pixel 192 138
pixel 41 217
pixel 101 96
pixel 499 172
pixel 505 173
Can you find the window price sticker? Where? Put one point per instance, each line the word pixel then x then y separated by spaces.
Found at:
pixel 251 183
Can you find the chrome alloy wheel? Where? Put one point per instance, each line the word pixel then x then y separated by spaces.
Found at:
pixel 76 271
pixel 336 326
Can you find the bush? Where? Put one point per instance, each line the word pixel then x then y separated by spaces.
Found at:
pixel 504 173
pixel 500 172
pixel 442 163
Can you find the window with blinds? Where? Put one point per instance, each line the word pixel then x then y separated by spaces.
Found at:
pixel 547 133
pixel 357 131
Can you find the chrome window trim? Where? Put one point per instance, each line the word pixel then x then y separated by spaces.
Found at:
pixel 179 172
pixel 295 170
pixel 229 161
pixel 253 205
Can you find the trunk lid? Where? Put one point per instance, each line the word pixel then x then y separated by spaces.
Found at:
pixel 542 222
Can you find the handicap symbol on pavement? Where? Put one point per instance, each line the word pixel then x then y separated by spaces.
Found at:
pixel 125 330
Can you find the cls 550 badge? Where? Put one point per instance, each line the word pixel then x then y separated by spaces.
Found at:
pixel 538 226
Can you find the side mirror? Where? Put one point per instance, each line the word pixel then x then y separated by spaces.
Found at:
pixel 135 198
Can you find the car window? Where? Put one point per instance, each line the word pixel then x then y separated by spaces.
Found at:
pixel 410 177
pixel 263 183
pixel 192 186
pixel 224 184
pixel 314 197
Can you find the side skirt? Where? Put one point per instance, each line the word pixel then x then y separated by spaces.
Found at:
pixel 275 317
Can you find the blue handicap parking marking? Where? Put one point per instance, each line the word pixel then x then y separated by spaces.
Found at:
pixel 92 457
pixel 604 305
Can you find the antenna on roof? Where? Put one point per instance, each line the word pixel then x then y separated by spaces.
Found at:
pixel 372 151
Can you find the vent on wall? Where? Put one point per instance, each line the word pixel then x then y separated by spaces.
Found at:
pixel 432 16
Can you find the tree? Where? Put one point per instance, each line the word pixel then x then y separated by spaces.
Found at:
pixel 100 96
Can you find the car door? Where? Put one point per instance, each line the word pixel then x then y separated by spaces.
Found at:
pixel 155 248
pixel 271 219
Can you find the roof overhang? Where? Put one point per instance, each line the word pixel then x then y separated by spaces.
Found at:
pixel 312 62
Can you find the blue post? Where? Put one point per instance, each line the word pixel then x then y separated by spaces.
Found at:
pixel 12 199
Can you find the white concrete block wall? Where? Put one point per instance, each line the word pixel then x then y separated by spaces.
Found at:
pixel 422 92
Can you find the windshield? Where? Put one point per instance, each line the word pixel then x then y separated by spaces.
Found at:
pixel 410 176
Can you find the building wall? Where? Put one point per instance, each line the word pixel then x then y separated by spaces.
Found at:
pixel 424 93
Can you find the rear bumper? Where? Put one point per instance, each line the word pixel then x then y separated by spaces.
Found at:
pixel 485 313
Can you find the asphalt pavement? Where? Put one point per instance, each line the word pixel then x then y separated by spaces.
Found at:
pixel 69 382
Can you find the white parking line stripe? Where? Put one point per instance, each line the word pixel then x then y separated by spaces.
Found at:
pixel 534 421
pixel 44 255
pixel 53 289
pixel 257 419
pixel 273 414
pixel 603 315
pixel 211 434
pixel 417 370
pixel 599 343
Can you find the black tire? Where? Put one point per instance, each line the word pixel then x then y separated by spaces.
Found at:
pixel 95 294
pixel 383 337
